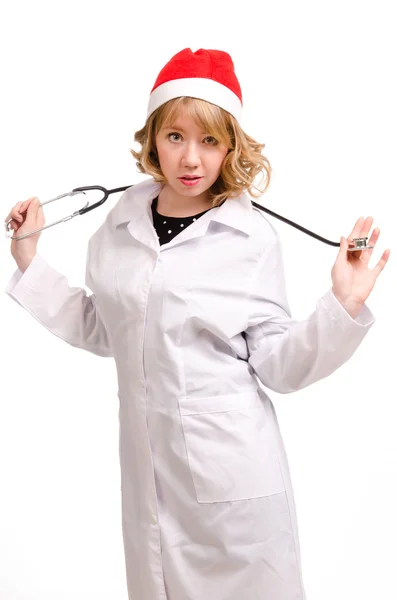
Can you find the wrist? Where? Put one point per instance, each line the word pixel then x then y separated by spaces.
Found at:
pixel 351 304
pixel 24 262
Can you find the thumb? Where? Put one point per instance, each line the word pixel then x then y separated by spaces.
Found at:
pixel 343 246
pixel 36 204
pixel 33 209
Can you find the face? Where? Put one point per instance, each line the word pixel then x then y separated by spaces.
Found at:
pixel 189 157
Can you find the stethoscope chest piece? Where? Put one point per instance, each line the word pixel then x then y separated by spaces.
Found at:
pixel 359 244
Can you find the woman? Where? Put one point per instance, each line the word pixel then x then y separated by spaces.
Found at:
pixel 189 298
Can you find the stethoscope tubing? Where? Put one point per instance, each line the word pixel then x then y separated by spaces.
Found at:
pixel 358 243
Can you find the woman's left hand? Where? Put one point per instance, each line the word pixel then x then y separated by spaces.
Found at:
pixel 352 280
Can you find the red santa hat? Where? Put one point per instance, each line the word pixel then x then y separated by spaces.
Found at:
pixel 205 74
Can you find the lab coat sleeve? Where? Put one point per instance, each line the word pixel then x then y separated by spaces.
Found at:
pixel 68 312
pixel 288 355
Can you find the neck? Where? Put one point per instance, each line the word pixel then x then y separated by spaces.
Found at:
pixel 171 204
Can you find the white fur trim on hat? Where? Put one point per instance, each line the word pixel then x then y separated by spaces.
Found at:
pixel 195 87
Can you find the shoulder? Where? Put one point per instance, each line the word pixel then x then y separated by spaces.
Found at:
pixel 263 229
pixel 133 200
pixel 131 203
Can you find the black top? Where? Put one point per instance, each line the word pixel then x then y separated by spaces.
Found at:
pixel 168 227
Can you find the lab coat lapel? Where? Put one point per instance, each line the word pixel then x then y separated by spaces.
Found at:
pixel 236 213
pixel 142 229
pixel 134 212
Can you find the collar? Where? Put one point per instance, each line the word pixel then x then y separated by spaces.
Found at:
pixel 236 213
pixel 135 204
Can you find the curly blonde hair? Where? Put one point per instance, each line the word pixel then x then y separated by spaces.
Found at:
pixel 243 163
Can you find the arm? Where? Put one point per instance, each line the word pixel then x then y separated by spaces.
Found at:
pixel 288 355
pixel 68 312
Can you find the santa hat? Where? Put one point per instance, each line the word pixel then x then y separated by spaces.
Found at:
pixel 205 74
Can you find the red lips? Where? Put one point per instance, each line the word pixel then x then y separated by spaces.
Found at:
pixel 190 180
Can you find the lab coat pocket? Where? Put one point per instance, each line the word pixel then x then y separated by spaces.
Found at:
pixel 230 448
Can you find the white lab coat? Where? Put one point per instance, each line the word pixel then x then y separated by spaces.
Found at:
pixel 208 509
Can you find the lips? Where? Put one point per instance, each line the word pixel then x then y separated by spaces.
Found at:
pixel 190 180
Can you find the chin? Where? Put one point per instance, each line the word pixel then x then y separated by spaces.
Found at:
pixel 189 192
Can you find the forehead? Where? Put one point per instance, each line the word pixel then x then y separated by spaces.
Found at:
pixel 184 119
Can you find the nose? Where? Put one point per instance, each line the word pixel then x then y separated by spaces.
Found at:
pixel 191 155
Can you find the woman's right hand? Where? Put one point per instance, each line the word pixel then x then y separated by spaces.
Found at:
pixel 26 216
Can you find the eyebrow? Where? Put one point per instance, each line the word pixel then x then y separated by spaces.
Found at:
pixel 176 127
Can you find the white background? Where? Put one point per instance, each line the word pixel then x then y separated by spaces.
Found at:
pixel 319 85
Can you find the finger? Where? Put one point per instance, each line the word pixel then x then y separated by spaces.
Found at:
pixel 372 242
pixel 382 262
pixel 18 214
pixel 40 214
pixel 343 248
pixel 14 225
pixel 366 227
pixel 32 209
pixel 355 233
pixel 355 254
pixel 35 216
pixel 342 244
pixel 26 203
pixel 14 216
pixel 15 212
pixel 350 254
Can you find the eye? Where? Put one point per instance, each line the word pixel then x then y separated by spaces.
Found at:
pixel 210 140
pixel 174 137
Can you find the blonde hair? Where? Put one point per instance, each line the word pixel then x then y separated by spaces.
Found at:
pixel 243 163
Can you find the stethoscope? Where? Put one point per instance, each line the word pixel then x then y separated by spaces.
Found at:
pixel 354 245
